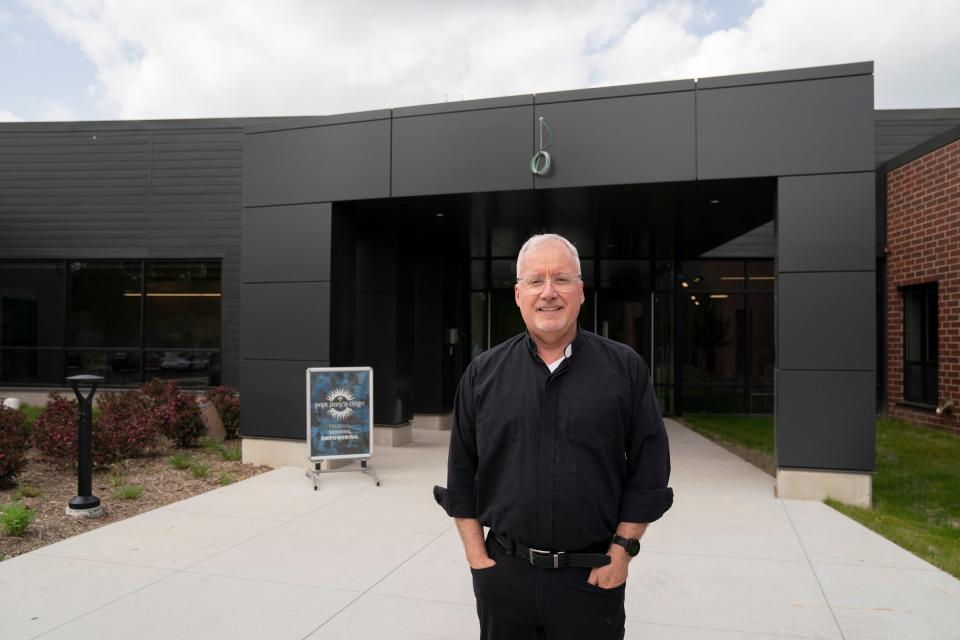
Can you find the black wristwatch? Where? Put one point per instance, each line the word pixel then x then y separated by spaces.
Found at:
pixel 632 545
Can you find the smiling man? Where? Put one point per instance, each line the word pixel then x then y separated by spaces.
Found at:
pixel 558 446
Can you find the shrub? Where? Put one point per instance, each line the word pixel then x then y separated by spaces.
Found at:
pixel 126 428
pixel 225 479
pixel 180 461
pixel 178 412
pixel 15 518
pixel 227 402
pixel 199 470
pixel 14 442
pixel 55 430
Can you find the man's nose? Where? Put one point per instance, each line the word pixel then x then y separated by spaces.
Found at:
pixel 548 290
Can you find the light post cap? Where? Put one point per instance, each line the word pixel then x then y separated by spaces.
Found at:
pixel 85 377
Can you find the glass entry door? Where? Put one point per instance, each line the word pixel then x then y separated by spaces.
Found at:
pixel 626 318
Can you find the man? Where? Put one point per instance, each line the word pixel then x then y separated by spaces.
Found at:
pixel 559 447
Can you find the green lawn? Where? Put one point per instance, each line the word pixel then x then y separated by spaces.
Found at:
pixel 916 487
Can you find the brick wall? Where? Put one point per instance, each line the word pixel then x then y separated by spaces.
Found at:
pixel 923 245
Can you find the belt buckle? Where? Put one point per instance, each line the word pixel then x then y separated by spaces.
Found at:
pixel 541 553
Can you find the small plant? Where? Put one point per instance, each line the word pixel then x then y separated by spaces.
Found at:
pixel 28 491
pixel 180 461
pixel 225 479
pixel 16 518
pixel 128 492
pixel 227 402
pixel 230 454
pixel 199 470
pixel 14 442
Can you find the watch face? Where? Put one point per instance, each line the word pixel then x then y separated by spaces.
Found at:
pixel 633 547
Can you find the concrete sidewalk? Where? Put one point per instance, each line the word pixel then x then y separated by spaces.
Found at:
pixel 269 558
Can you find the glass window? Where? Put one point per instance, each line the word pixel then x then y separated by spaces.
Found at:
pixel 920 340
pixel 663 338
pixel 478 274
pixel 104 304
pixel 31 304
pixel 189 368
pixel 31 365
pixel 627 275
pixel 503 273
pixel 505 318
pixel 116 367
pixel 715 327
pixel 760 275
pixel 183 305
pixel 762 339
pixel 722 275
pixel 478 323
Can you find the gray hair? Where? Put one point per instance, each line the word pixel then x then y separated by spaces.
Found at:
pixel 535 241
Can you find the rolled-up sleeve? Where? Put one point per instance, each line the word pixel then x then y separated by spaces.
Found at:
pixel 459 498
pixel 646 496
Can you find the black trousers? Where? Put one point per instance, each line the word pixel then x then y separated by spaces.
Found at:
pixel 517 601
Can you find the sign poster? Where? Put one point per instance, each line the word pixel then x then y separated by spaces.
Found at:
pixel 340 412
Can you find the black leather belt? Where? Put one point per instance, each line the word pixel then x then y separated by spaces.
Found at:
pixel 551 559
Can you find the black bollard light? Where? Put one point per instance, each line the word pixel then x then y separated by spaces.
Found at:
pixel 84 504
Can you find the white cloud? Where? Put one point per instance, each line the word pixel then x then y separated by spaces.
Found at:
pixel 191 58
pixel 9 116
pixel 55 110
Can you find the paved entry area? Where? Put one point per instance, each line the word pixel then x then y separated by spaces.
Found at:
pixel 270 558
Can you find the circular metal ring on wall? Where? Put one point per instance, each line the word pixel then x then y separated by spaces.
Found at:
pixel 540 163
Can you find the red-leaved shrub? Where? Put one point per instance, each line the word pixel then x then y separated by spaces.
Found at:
pixel 55 430
pixel 227 402
pixel 14 442
pixel 178 411
pixel 127 426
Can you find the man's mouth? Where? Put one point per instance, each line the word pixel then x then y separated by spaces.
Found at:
pixel 549 308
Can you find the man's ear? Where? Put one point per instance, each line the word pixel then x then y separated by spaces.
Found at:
pixel 516 294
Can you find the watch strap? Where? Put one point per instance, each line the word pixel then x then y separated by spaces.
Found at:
pixel 632 545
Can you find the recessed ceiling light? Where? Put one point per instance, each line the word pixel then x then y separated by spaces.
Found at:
pixel 714 201
pixel 439 215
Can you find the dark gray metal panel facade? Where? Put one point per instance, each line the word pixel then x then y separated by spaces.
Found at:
pixel 827 321
pixel 897 130
pixel 826 222
pixel 281 320
pixel 825 420
pixel 274 405
pixel 810 126
pixel 626 140
pixel 287 243
pixel 164 189
pixel 484 150
pixel 318 164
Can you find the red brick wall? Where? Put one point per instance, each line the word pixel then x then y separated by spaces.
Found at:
pixel 923 245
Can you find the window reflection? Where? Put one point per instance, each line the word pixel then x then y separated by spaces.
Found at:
pixel 183 304
pixel 104 304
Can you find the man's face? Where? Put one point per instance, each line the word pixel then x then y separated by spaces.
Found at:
pixel 548 313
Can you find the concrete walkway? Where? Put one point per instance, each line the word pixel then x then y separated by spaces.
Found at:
pixel 269 558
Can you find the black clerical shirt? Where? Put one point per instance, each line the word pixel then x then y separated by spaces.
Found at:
pixel 557 460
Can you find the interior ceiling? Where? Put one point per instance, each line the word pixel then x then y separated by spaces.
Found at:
pixel 707 219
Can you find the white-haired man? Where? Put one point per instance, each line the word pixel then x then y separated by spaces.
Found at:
pixel 558 446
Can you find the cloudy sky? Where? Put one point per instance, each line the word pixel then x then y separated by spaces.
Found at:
pixel 137 59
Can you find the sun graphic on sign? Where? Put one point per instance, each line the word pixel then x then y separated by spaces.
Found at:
pixel 340 396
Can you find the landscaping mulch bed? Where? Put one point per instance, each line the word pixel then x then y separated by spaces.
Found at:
pixel 162 484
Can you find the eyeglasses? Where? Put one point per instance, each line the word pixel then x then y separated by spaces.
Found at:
pixel 562 282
